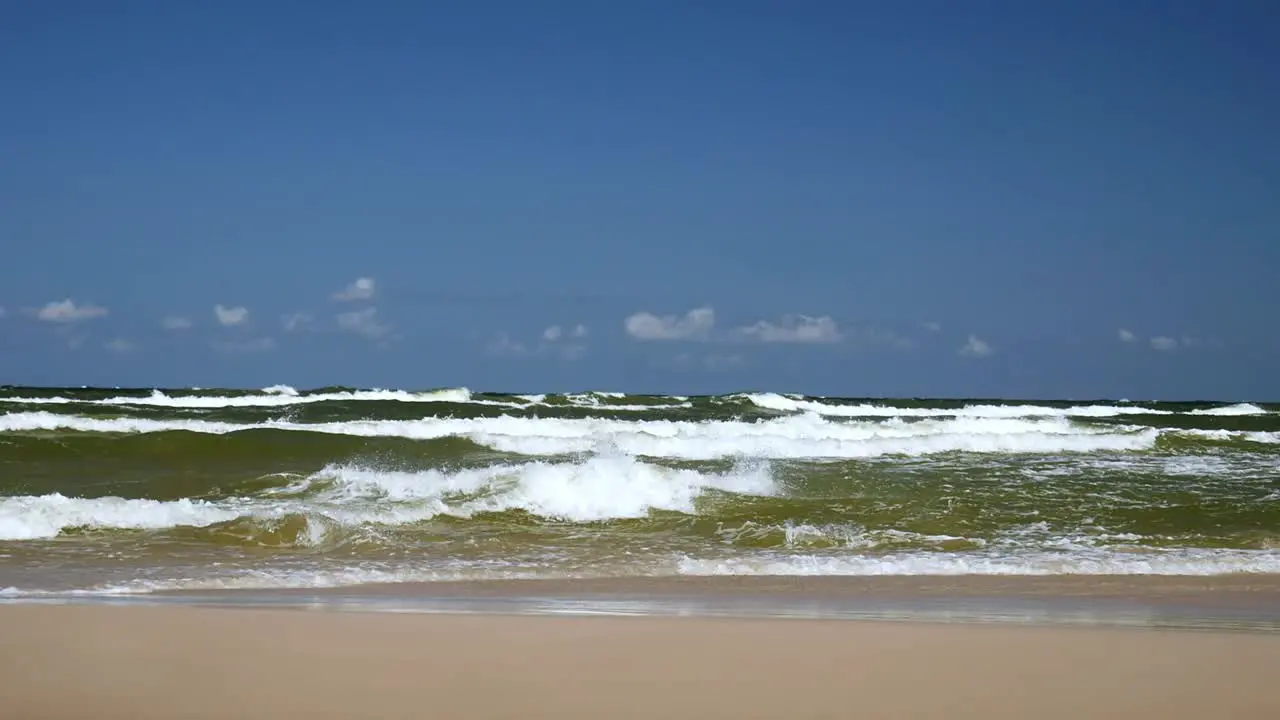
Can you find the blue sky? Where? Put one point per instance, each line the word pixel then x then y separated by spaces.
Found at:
pixel 1053 199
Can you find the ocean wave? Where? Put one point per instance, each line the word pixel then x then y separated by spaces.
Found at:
pixel 1181 561
pixel 286 396
pixel 275 396
pixel 851 536
pixel 595 489
pixel 49 422
pixel 1257 436
pixel 807 437
pixel 795 436
pixel 800 404
pixel 47 516
pixel 1231 410
pixel 295 578
pixel 598 488
pixel 126 488
pixel 607 401
pixel 784 403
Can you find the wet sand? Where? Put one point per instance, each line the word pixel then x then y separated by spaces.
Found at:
pixel 1243 601
pixel 1238 588
pixel 197 662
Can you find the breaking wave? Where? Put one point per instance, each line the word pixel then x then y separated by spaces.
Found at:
pixel 596 489
pixel 135 490
pixel 797 436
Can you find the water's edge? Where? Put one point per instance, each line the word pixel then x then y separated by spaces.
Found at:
pixel 1243 604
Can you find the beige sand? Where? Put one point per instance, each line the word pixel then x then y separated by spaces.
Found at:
pixel 173 662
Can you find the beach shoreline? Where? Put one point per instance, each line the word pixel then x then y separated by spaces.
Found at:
pixel 1249 603
pixel 197 662
pixel 209 554
pixel 1239 586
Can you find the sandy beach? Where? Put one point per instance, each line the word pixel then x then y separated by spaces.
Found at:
pixel 194 662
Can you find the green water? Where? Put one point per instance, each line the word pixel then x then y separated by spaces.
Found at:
pixel 141 489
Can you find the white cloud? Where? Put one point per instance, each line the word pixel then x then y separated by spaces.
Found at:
pixel 68 312
pixel 173 322
pixel 502 344
pixel 554 342
pixel 564 344
pixel 3 312
pixel 933 327
pixel 360 289
pixel 120 345
pixel 793 329
pixel 295 322
pixel 1126 336
pixel 231 315
pixel 363 322
pixel 976 347
pixel 1164 344
pixel 694 325
pixel 556 333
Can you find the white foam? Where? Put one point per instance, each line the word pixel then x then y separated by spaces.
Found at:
pixel 605 488
pixel 783 403
pixel 1234 465
pixel 796 436
pixel 599 488
pixel 274 396
pixel 598 401
pixel 285 395
pixel 47 421
pixel 806 535
pixel 1198 465
pixel 1232 410
pixel 285 578
pixel 801 436
pixel 1099 562
pixel 46 516
pixel 1194 562
pixel 1257 436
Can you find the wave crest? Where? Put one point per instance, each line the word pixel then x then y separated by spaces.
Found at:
pixel 595 489
pixel 790 437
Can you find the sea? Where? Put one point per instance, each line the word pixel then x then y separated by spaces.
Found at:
pixel 136 491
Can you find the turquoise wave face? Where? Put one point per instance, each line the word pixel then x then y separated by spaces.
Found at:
pixel 146 489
